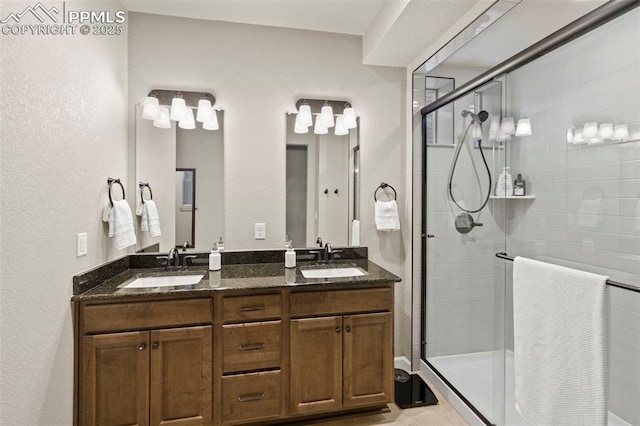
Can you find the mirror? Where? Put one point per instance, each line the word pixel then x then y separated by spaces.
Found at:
pixel 322 186
pixel 185 169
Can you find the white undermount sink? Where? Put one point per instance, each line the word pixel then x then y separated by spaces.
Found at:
pixel 333 272
pixel 164 281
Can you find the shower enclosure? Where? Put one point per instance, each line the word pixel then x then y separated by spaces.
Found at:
pixel 581 209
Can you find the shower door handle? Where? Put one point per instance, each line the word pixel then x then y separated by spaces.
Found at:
pixel 430 236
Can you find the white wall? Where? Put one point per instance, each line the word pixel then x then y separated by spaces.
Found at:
pixel 595 78
pixel 257 74
pixel 64 131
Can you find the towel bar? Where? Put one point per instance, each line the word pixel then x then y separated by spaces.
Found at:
pixel 384 185
pixel 110 182
pixel 142 185
pixel 505 256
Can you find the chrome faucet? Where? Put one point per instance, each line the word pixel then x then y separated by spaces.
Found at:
pixel 173 257
pixel 319 242
pixel 185 246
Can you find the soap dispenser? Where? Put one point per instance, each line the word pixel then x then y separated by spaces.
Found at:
pixel 289 256
pixel 220 245
pixel 504 186
pixel 215 261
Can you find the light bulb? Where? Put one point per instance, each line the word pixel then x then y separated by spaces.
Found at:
pixel 326 115
pixel 151 108
pixel 204 111
pixel 319 128
pixel 212 123
pixel 349 118
pixel 178 108
pixel 187 122
pixel 300 126
pixel 590 130
pixel 524 127
pixel 305 115
pixel 163 122
pixel 606 130
pixel 341 129
pixel 621 131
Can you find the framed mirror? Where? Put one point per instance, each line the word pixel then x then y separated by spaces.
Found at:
pixel 322 186
pixel 185 168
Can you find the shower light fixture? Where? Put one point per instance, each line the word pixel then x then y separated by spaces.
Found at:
pixel 606 130
pixel 326 115
pixel 524 127
pixel 212 123
pixel 163 121
pixel 187 121
pixel 621 131
pixel 320 128
pixel 590 130
pixel 341 128
pixel 151 108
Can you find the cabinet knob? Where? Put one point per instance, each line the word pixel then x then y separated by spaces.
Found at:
pixel 155 345
pixel 142 346
pixel 338 329
pixel 347 329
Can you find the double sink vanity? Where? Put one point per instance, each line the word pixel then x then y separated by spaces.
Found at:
pixel 253 343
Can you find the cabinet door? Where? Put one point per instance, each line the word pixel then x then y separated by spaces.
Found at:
pixel 316 364
pixel 115 379
pixel 181 376
pixel 368 359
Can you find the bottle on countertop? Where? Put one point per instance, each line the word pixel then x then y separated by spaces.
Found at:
pixel 289 255
pixel 220 245
pixel 519 186
pixel 504 186
pixel 215 261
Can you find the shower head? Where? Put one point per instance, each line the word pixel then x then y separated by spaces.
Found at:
pixel 480 117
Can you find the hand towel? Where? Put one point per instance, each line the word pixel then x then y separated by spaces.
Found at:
pixel 386 216
pixel 560 348
pixel 151 219
pixel 355 232
pixel 589 213
pixel 120 224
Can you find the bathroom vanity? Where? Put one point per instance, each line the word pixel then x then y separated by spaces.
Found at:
pixel 253 343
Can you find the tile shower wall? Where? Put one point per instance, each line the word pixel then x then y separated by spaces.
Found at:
pixel 586 213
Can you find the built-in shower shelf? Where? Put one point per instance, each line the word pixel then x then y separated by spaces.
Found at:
pixel 513 197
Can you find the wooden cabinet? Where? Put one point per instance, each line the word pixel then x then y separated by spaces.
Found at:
pixel 341 361
pixel 146 377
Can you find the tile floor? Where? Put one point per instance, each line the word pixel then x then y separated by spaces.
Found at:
pixel 442 414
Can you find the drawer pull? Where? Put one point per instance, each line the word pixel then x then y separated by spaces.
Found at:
pixel 251 397
pixel 142 346
pixel 252 308
pixel 251 347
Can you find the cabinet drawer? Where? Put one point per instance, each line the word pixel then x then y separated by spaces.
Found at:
pixel 341 301
pixel 145 315
pixel 252 346
pixel 252 308
pixel 255 396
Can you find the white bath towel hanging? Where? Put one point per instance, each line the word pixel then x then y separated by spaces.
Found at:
pixel 386 216
pixel 120 222
pixel 355 232
pixel 150 220
pixel 560 351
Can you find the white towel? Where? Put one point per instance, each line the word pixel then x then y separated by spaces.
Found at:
pixel 120 224
pixel 559 344
pixel 386 216
pixel 355 232
pixel 150 220
pixel 589 213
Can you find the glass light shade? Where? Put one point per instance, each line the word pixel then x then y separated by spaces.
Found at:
pixel 326 115
pixel 151 108
pixel 507 128
pixel 304 114
pixel 476 131
pixel 178 109
pixel 494 128
pixel 594 140
pixel 187 122
pixel 163 122
pixel 349 118
pixel 570 135
pixel 300 126
pixel 578 137
pixel 205 111
pixel 590 130
pixel 606 130
pixel 212 123
pixel 341 128
pixel 319 128
pixel 524 127
pixel 621 131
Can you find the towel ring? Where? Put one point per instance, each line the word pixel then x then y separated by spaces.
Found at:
pixel 383 186
pixel 142 185
pixel 110 182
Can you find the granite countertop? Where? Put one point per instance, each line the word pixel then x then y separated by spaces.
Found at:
pixel 236 277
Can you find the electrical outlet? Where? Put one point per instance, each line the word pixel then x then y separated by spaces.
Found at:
pixel 260 231
pixel 81 244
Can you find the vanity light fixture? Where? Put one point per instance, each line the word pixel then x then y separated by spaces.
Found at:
pixel 621 131
pixel 164 120
pixel 494 129
pixel 593 133
pixel 326 115
pixel 524 127
pixel 341 128
pixel 578 137
pixel 300 127
pixel 349 117
pixel 570 131
pixel 151 108
pixel 320 128
pixel 304 115
pixel 507 128
pixel 182 109
pixel 324 111
pixel 606 131
pixel 590 130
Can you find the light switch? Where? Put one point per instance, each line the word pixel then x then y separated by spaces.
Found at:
pixel 260 231
pixel 81 244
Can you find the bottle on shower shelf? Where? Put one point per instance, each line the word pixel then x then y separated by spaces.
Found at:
pixel 504 186
pixel 519 186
